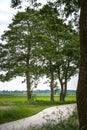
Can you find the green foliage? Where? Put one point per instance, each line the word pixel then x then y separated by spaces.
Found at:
pixel 71 11
pixel 70 7
pixel 60 51
pixel 18 3
pixel 18 54
pixel 15 3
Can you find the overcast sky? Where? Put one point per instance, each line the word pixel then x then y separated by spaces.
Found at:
pixel 6 14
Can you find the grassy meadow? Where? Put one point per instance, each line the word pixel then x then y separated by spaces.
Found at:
pixel 15 106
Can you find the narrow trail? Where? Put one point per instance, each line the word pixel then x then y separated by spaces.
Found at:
pixel 53 114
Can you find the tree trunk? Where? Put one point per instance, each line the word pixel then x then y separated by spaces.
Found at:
pixel 52 88
pixel 62 97
pixel 63 93
pixel 82 83
pixel 52 94
pixel 29 96
pixel 63 90
pixel 51 82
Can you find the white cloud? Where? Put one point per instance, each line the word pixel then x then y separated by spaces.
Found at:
pixel 5 18
pixel 72 84
pixel 15 84
pixel 6 14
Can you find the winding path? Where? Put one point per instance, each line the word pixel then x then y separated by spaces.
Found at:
pixel 53 114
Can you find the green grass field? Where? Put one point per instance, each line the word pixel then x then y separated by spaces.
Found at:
pixel 15 106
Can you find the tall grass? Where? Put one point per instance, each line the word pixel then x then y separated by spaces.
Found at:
pixel 19 110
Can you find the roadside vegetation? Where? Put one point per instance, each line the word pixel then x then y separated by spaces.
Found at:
pixel 15 106
pixel 70 124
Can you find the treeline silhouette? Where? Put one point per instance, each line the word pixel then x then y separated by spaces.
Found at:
pixel 35 91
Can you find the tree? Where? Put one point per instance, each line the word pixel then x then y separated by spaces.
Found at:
pixel 48 48
pixel 67 63
pixel 18 53
pixel 68 59
pixel 60 49
pixel 82 83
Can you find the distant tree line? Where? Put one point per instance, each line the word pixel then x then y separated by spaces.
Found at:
pixel 35 92
pixel 12 92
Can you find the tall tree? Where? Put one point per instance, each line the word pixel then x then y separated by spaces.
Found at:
pixel 59 39
pixel 67 62
pixel 47 51
pixel 82 84
pixel 18 53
